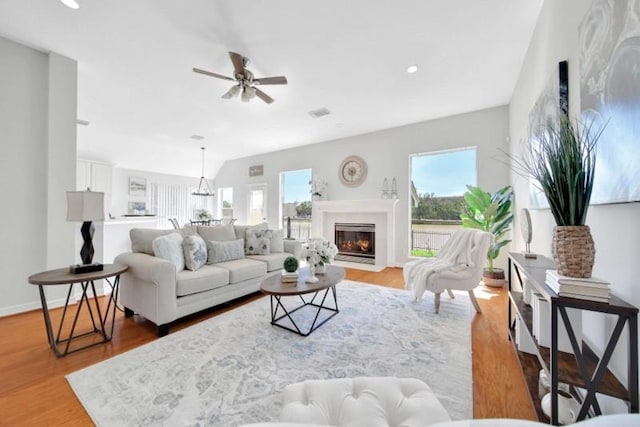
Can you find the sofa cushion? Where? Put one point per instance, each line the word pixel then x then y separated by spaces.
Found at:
pixel 189 230
pixel 243 269
pixel 224 251
pixel 195 252
pixel 241 230
pixel 217 232
pixel 206 278
pixel 258 242
pixel 142 239
pixel 169 247
pixel 277 241
pixel 274 261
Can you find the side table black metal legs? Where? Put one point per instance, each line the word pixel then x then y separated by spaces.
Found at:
pixel 85 301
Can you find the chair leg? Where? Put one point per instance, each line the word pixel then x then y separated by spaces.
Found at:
pixel 437 302
pixel 474 301
pixel 450 293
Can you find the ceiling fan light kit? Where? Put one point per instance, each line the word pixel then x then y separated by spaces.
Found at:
pixel 71 4
pixel 245 80
pixel 203 186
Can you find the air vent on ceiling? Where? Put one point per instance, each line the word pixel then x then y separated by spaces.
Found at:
pixel 316 114
pixel 82 122
pixel 197 137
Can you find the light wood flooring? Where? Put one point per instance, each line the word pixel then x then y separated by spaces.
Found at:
pixel 34 392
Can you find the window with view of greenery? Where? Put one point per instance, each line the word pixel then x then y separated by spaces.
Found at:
pixel 296 200
pixel 438 182
pixel 225 202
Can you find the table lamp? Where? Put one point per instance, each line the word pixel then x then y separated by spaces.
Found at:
pixel 289 211
pixel 85 206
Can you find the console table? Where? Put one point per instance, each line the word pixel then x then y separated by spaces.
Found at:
pixel 62 276
pixel 583 369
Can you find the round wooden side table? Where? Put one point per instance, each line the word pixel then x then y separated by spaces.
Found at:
pixel 62 276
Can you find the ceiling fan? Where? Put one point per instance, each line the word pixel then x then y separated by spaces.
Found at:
pixel 245 79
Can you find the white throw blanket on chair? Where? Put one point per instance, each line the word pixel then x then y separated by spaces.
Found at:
pixel 455 255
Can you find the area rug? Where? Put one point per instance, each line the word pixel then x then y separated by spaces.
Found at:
pixel 230 369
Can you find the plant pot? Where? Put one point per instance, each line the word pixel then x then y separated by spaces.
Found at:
pixel 573 250
pixel 494 278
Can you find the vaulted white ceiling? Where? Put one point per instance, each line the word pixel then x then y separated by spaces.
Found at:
pixel 137 89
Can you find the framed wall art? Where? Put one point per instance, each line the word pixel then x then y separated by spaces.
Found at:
pixel 137 186
pixel 610 96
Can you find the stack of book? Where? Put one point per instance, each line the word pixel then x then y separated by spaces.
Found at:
pixel 592 289
pixel 289 277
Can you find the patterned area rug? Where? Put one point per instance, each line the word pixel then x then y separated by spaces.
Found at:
pixel 230 369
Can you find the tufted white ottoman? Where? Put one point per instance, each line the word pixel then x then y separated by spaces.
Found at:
pixel 366 402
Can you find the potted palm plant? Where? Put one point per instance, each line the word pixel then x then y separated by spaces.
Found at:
pixel 562 160
pixel 491 213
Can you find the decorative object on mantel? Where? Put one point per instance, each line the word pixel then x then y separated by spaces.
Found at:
pixel 318 252
pixel 562 162
pixel 385 189
pixel 85 206
pixel 527 232
pixel 203 186
pixel 394 188
pixel 491 213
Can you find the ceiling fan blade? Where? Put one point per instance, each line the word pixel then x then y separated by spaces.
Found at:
pixel 266 98
pixel 238 62
pixel 209 73
pixel 279 80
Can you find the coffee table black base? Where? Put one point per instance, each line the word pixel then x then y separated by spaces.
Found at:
pixel 276 320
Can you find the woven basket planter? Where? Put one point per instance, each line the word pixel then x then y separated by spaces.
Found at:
pixel 573 250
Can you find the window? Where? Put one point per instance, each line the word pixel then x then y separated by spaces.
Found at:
pixel 438 181
pixel 225 203
pixel 175 201
pixel 296 202
pixel 257 204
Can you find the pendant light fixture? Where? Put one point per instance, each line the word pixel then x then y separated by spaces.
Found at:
pixel 203 187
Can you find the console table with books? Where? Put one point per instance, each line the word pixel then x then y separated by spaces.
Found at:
pixel 583 369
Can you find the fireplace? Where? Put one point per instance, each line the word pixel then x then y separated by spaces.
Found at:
pixel 356 242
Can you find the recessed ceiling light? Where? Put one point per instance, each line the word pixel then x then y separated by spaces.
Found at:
pixel 73 4
pixel 412 69
pixel 197 137
pixel 82 122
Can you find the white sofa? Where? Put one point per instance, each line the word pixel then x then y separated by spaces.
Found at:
pixel 154 288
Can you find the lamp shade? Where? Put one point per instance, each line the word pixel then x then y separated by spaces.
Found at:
pixel 85 206
pixel 289 209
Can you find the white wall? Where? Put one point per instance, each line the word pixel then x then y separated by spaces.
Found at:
pixel 37 167
pixel 120 197
pixel 614 227
pixel 387 155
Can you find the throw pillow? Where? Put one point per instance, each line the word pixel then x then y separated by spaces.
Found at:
pixel 258 242
pixel 241 230
pixel 277 241
pixel 217 232
pixel 224 251
pixel 195 252
pixel 169 247
pixel 142 239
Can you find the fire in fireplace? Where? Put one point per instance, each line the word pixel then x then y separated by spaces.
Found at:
pixel 356 242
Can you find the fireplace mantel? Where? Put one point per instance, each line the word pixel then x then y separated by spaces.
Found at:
pixel 380 212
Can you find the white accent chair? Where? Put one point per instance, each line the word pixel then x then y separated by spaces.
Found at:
pixel 363 401
pixel 459 266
